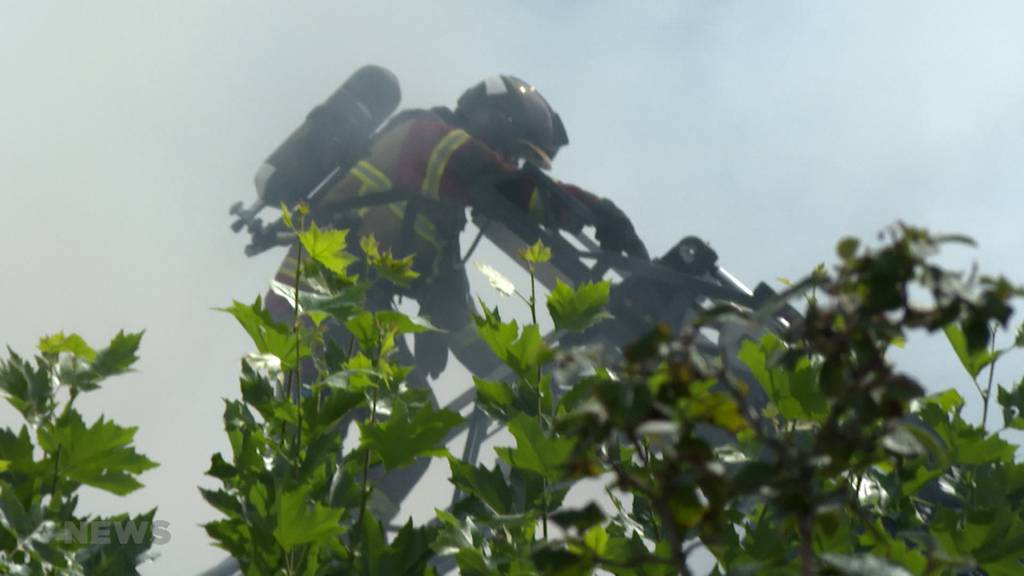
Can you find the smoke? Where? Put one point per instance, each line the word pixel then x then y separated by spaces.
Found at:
pixel 767 129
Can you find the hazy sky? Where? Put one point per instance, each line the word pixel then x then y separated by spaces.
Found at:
pixel 770 129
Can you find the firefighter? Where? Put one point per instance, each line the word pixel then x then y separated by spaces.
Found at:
pixel 444 158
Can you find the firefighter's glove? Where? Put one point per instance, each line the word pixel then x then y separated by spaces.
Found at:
pixel 615 232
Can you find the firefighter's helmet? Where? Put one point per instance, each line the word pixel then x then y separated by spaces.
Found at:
pixel 513 118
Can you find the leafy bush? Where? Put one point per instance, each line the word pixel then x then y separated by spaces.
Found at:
pixel 849 468
pixel 55 453
pixel 295 502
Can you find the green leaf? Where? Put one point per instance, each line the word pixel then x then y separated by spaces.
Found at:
pixel 220 469
pixel 405 324
pixel 340 305
pixel 863 565
pixel 300 521
pixel 534 451
pixel 949 401
pixel 101 455
pixel 72 344
pixel 578 309
pixel 409 552
pixel 472 563
pixel 536 253
pixel 119 356
pixel 331 406
pixel 286 216
pixel 497 334
pixel 268 336
pixel 558 561
pixel 921 477
pixel 13 516
pixel 973 360
pixel 370 247
pixel 796 393
pixel 401 439
pixel 847 247
pixel 975 448
pixel 372 546
pixel 373 329
pixel 225 502
pixel 596 538
pixel 29 390
pixel 718 408
pixel 120 557
pixel 527 353
pixel 395 270
pixel 580 519
pixel 327 247
pixel 16 450
pixel 495 397
pixel 1012 403
pixel 487 485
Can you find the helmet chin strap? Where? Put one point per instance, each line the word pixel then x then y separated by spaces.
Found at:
pixel 535 155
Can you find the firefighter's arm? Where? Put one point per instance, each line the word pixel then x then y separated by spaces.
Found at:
pixel 570 208
pixel 554 204
pixel 612 228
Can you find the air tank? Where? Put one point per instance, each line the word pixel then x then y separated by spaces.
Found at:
pixel 335 134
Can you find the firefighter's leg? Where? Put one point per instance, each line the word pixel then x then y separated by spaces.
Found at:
pixel 451 308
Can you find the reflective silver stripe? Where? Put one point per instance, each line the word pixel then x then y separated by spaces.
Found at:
pixel 263 173
pixel 495 86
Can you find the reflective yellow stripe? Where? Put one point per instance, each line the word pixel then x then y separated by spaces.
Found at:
pixel 379 177
pixel 423 226
pixel 536 207
pixel 373 180
pixel 439 159
pixel 425 229
pixel 371 177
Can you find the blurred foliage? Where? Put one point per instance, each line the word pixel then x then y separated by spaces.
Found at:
pixel 847 467
pixel 54 453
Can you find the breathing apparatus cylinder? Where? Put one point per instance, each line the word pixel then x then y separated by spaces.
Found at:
pixel 335 134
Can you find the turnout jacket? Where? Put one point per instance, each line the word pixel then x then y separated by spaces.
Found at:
pixel 424 154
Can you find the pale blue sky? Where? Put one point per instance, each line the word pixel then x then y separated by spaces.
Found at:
pixel 769 129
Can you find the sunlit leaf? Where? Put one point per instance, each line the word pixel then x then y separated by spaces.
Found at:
pixel 268 336
pixel 580 308
pixel 498 281
pixel 72 343
pixel 328 248
pixel 536 253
